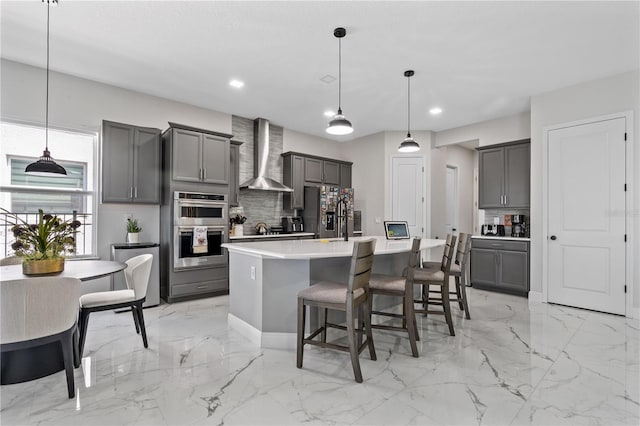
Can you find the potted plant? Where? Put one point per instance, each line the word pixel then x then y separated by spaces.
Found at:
pixel 42 245
pixel 236 225
pixel 133 230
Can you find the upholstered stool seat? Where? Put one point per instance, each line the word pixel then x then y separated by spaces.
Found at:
pixel 329 292
pixel 386 282
pixel 92 300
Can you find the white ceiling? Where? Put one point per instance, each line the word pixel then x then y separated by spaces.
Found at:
pixel 477 60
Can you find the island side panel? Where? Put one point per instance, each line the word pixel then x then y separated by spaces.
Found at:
pixel 245 290
pixel 282 280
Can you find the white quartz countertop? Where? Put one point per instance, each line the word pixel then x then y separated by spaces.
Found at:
pixel 323 248
pixel 256 236
pixel 490 237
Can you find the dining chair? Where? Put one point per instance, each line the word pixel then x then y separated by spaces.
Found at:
pixel 136 275
pixel 459 270
pixel 38 311
pixel 440 278
pixel 353 299
pixel 10 260
pixel 398 286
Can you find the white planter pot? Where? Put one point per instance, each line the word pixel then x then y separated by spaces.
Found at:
pixel 238 230
pixel 133 237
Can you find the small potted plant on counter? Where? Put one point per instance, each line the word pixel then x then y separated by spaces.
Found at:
pixel 133 230
pixel 42 245
pixel 236 225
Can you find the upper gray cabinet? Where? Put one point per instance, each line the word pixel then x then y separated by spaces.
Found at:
pixel 331 172
pixel 199 156
pixel 130 164
pixel 301 169
pixel 504 176
pixel 234 173
pixel 313 170
pixel 293 177
pixel 345 175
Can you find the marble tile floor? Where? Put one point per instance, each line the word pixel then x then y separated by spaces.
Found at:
pixel 513 363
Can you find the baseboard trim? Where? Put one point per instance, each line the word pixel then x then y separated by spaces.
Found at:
pixel 262 339
pixel 535 296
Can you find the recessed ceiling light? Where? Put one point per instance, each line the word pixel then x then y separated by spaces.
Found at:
pixel 435 111
pixel 329 113
pixel 236 83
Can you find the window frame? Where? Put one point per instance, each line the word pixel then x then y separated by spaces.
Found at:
pixel 94 134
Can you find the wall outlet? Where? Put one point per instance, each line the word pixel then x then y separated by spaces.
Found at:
pixel 378 220
pixel 253 272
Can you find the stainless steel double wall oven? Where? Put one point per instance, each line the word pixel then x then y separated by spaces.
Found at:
pixel 191 210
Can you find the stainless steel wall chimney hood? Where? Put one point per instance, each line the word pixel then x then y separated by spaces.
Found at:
pixel 260 160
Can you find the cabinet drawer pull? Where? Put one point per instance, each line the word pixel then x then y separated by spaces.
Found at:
pixel 135 192
pixel 204 174
pixel 497 245
pixel 202 286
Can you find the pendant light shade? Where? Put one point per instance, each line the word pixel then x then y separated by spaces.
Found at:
pixel 45 166
pixel 339 125
pixel 409 144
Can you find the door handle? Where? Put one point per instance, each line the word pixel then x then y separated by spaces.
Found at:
pixel 553 237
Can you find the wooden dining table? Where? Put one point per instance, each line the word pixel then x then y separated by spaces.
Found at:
pixel 33 363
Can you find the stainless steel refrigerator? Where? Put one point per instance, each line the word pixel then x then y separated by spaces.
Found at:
pixel 327 210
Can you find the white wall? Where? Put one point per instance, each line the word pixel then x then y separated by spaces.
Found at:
pixel 368 179
pixel 463 159
pixel 609 95
pixel 313 145
pixel 504 129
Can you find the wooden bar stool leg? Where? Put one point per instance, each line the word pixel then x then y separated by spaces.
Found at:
pixel 458 293
pixel 446 306
pixel 300 336
pixel 353 350
pixel 323 322
pixel 367 325
pixel 411 325
pixel 463 292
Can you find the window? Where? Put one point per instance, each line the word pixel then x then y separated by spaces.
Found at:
pixel 66 196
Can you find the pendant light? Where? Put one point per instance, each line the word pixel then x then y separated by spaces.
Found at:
pixel 339 125
pixel 45 166
pixel 409 145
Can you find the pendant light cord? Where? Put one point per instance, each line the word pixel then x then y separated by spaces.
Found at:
pixel 46 120
pixel 409 106
pixel 339 75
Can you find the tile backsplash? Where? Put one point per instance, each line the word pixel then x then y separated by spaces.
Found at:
pixel 259 206
pixel 487 217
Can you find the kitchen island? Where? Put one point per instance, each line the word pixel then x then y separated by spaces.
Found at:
pixel 265 277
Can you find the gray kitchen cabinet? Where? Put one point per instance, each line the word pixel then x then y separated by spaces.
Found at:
pixel 345 175
pixel 313 170
pixel 331 173
pixel 234 173
pixel 130 164
pixel 198 156
pixel 293 177
pixel 500 265
pixel 300 170
pixel 504 176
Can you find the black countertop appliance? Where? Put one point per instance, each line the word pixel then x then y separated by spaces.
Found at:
pixel 292 224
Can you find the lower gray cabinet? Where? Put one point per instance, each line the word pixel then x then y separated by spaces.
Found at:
pixel 500 265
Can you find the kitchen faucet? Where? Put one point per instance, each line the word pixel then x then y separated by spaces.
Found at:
pixel 344 215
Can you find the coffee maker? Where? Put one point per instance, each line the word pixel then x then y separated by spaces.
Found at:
pixel 518 225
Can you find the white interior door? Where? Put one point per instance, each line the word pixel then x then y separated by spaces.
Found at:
pixel 586 218
pixel 407 186
pixel 451 214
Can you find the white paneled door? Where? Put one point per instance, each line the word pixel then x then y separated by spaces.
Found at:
pixel 407 186
pixel 452 200
pixel 586 217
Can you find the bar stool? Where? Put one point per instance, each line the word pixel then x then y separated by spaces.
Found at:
pixel 398 286
pixel 440 278
pixel 352 299
pixel 458 271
